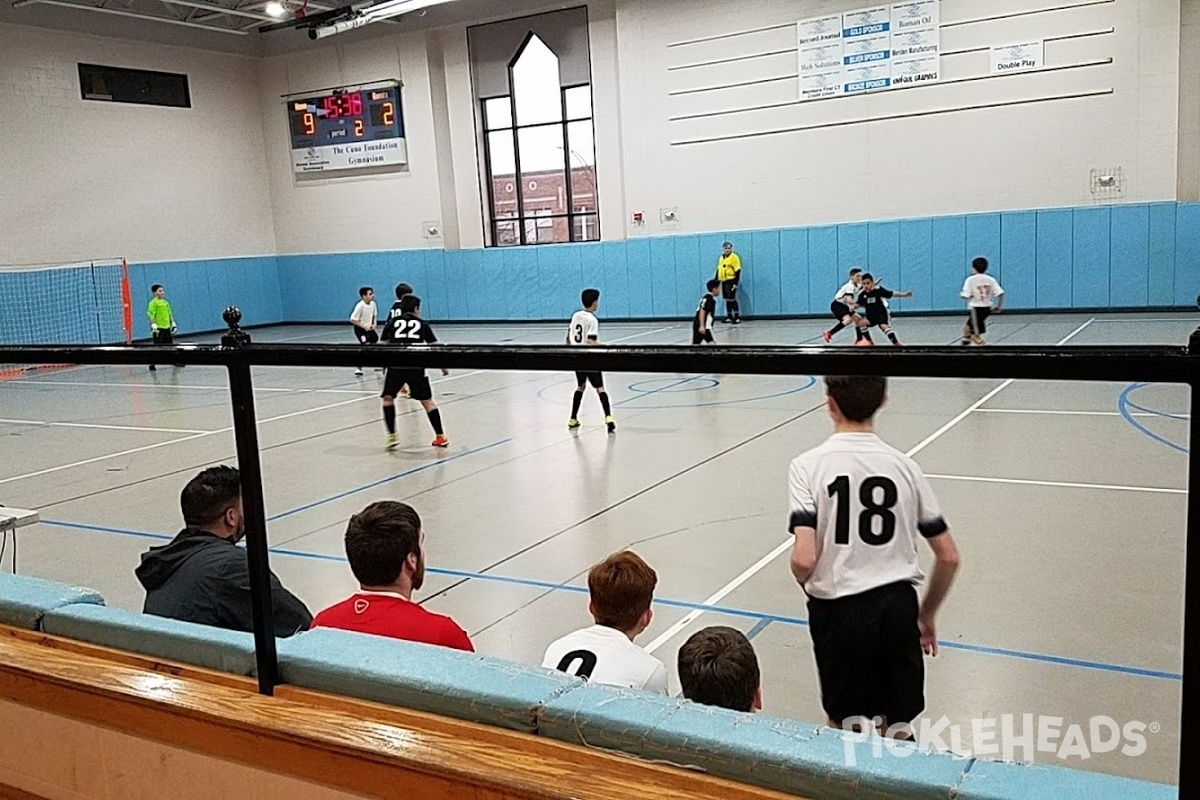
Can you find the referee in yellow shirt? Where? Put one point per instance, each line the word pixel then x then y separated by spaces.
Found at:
pixel 729 272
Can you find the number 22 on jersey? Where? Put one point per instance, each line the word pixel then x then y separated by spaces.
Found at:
pixel 874 506
pixel 407 329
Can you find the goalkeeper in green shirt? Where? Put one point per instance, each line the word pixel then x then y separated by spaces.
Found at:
pixel 162 321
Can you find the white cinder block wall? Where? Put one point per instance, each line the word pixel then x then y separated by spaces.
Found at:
pixel 369 212
pixel 707 150
pixel 86 179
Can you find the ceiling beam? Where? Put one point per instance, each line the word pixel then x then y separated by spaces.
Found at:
pixel 131 14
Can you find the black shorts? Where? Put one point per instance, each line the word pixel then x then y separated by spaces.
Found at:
pixel 365 337
pixel 840 310
pixel 698 337
pixel 163 336
pixel 977 320
pixel 415 379
pixel 878 318
pixel 729 290
pixel 596 379
pixel 868 652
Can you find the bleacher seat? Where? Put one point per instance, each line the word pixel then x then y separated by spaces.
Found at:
pixel 24 601
pixel 157 637
pixel 421 677
pixel 792 757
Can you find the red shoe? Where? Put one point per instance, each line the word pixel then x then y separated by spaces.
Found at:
pixel 827 336
pixel 441 441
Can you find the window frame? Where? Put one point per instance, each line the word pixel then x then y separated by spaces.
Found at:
pixel 513 130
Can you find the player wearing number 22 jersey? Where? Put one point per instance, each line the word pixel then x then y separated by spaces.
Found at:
pixel 405 327
pixel 859 508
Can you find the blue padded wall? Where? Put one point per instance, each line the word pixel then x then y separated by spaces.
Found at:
pixel 1123 256
pixel 1127 256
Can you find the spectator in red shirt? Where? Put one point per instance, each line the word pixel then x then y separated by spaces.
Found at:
pixel 386 548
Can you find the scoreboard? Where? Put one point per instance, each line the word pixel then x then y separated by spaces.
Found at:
pixel 347 129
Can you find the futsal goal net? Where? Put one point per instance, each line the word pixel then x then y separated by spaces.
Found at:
pixel 83 302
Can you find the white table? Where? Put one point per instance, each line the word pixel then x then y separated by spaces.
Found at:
pixel 12 519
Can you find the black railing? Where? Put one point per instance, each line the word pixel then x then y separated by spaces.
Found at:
pixel 1161 364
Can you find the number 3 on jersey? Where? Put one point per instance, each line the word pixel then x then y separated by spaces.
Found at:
pixel 867 495
pixel 578 334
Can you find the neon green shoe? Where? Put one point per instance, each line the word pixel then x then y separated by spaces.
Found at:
pixel 389 442
pixel 611 423
pixel 572 423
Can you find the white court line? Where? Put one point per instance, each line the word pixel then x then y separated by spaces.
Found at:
pixel 203 434
pixel 691 616
pixel 1071 413
pixel 1058 484
pixel 643 333
pixel 787 543
pixel 50 424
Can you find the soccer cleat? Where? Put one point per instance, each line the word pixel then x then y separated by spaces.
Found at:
pixel 572 423
pixel 441 441
pixel 389 442
pixel 358 371
pixel 611 423
pixel 827 336
pixel 864 343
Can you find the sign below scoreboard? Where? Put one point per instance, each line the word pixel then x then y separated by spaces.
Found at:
pixel 347 130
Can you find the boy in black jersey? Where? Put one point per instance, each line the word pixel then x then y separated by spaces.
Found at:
pixel 405 327
pixel 702 321
pixel 872 300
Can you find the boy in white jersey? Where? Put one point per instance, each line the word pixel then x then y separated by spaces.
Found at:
pixel 843 307
pixel 584 330
pixel 858 508
pixel 622 589
pixel 979 290
pixel 363 319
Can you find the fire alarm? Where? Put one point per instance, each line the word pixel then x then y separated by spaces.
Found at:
pixel 637 218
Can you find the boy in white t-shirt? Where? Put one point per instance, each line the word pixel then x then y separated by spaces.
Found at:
pixel 622 589
pixel 363 320
pixel 584 330
pixel 979 291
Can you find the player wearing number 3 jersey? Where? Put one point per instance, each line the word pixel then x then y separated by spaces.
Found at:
pixel 858 509
pixel 584 330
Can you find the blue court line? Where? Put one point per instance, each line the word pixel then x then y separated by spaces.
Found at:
pixel 382 481
pixel 763 618
pixel 1123 405
pixel 758 628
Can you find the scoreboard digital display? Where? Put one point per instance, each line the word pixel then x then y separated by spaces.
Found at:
pixel 347 130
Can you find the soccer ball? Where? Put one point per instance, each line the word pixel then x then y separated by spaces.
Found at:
pixel 864 343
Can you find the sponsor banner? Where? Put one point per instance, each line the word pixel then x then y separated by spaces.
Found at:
pixel 1018 57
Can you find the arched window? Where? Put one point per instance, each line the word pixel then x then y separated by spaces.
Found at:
pixel 540 154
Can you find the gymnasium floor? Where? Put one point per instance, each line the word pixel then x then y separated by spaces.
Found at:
pixel 1067 500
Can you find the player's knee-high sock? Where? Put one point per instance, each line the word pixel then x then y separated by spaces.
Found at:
pixel 734 309
pixel 435 419
pixel 605 404
pixel 575 401
pixel 860 333
pixel 389 418
pixel 891 334
pixel 836 328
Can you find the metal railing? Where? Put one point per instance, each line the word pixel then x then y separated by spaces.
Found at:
pixel 1161 364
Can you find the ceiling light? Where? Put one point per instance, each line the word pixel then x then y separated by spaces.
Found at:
pixel 275 8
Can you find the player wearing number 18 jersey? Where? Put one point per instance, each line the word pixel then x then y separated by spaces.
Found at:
pixel 405 327
pixel 858 509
